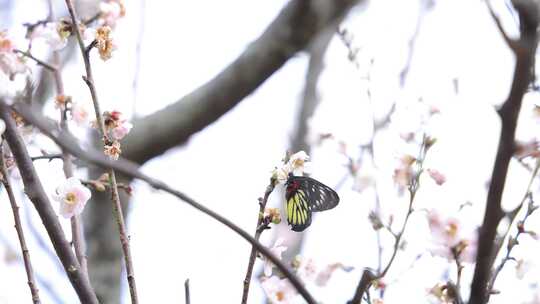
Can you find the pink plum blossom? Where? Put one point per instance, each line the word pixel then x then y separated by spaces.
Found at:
pixel 10 63
pixel 278 291
pixel 111 12
pixel 451 239
pixel 437 176
pixel 72 196
pixel 121 130
pixel 79 113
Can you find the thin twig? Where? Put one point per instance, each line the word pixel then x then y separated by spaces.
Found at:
pixel 41 280
pixel 413 189
pixel 424 6
pixel 454 292
pixel 47 157
pixel 509 41
pixel 459 269
pixel 117 207
pixel 77 239
pixel 130 169
pixel 94 184
pixel 186 290
pixel 512 242
pixel 511 215
pixel 258 231
pixel 18 226
pixel 42 63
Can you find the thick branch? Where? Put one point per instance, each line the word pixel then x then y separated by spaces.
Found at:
pixel 289 33
pixel 525 51
pixel 310 97
pixel 130 169
pixel 363 285
pixel 35 192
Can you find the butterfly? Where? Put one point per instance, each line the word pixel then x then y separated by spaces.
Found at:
pixel 305 195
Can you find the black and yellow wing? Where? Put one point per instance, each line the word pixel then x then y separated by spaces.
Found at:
pixel 305 195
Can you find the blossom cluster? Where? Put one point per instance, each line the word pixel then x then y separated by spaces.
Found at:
pixel 295 164
pixel 116 128
pixel 55 35
pixel 451 238
pixel 280 290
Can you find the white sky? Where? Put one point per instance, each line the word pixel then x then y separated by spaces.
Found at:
pixel 226 167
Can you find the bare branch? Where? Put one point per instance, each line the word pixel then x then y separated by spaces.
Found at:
pixel 289 33
pixel 20 233
pixel 186 291
pixel 258 231
pixel 40 62
pixel 47 156
pixel 41 280
pixel 509 41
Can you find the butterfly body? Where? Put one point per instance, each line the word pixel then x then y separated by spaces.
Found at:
pixel 305 195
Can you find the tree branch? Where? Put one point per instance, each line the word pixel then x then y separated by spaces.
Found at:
pixel 130 169
pixel 77 238
pixel 363 285
pixel 258 231
pixel 524 51
pixel 20 233
pixel 297 24
pixel 115 197
pixel 35 192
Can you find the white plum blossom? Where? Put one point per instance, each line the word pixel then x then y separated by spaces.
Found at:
pixel 52 34
pixel 298 162
pixel 121 130
pixel 451 239
pixel 72 196
pixel 79 114
pixel 414 119
pixel 278 291
pixel 111 12
pixel 277 250
pixel 306 268
pixel 297 165
pixel 10 63
pixel 325 274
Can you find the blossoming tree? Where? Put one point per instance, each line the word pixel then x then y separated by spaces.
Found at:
pixel 461 246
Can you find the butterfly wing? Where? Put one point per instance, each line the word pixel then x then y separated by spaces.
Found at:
pixel 305 195
pixel 298 211
pixel 320 196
